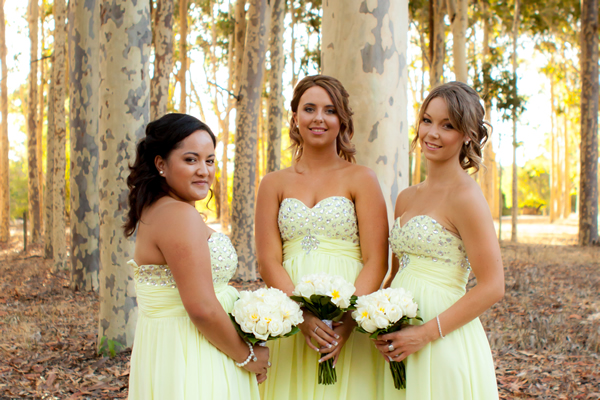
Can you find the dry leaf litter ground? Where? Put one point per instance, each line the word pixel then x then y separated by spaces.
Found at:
pixel 545 333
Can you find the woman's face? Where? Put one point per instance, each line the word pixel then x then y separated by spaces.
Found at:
pixel 439 139
pixel 317 118
pixel 190 169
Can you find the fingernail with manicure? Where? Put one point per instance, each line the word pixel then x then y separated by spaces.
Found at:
pixel 337 336
pixel 335 343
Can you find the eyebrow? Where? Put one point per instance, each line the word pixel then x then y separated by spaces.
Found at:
pixel 313 104
pixel 196 154
pixel 445 119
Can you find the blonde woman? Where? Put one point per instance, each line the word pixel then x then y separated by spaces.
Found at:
pixel 308 220
pixel 443 230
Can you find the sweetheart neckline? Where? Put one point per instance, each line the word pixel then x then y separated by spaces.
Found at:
pixel 318 202
pixel 161 265
pixel 430 218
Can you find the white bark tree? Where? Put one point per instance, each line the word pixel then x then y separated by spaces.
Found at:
pixel 84 17
pixel 364 46
pixel 242 205
pixel 163 58
pixel 125 40
pixel 60 134
pixel 275 102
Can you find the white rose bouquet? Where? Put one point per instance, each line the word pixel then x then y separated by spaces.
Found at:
pixel 265 314
pixel 385 311
pixel 328 297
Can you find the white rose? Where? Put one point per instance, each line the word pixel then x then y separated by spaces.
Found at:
pixel 411 310
pixel 394 313
pixel 369 326
pixel 304 289
pixel 381 321
pixel 287 326
pixel 275 328
pixel 261 330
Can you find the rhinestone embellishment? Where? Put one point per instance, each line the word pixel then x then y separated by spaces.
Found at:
pixel 309 242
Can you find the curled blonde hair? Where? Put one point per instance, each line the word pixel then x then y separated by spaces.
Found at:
pixel 339 97
pixel 466 115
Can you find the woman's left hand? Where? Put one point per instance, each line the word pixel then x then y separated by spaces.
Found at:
pixel 404 342
pixel 343 328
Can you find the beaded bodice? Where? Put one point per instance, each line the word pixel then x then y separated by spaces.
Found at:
pixel 333 217
pixel 223 262
pixel 424 237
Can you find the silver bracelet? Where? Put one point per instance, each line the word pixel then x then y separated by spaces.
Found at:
pixel 439 327
pixel 251 357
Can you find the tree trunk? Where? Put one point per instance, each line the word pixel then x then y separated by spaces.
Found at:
pixel 224 198
pixel 553 157
pixel 242 206
pixel 60 133
pixel 84 17
pixel 566 170
pixel 163 58
pixel 459 39
pixel 588 183
pixel 32 144
pixel 124 114
pixel 437 42
pixel 49 189
pixel 364 46
pixel 40 125
pixel 240 41
pixel 293 52
pixel 183 32
pixel 275 102
pixel 515 208
pixel 4 169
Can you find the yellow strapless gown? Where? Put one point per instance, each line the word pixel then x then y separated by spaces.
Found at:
pixel 435 268
pixel 321 239
pixel 171 359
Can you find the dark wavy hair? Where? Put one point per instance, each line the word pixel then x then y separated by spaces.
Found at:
pixel 339 96
pixel 144 182
pixel 466 115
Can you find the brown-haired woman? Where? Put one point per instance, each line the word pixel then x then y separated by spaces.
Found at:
pixel 185 345
pixel 308 219
pixel 443 230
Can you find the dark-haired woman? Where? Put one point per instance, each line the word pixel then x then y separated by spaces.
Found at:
pixel 185 345
pixel 308 219
pixel 443 230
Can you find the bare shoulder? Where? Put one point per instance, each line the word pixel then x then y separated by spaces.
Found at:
pixel 404 198
pixel 360 175
pixel 468 201
pixel 273 182
pixel 176 218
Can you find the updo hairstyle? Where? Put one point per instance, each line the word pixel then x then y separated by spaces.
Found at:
pixel 145 184
pixel 339 97
pixel 466 116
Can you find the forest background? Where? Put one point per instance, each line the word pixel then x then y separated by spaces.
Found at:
pixel 234 64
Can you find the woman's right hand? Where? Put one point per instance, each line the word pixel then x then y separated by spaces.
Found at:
pixel 259 367
pixel 314 328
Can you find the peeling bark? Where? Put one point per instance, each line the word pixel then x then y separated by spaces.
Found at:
pixel 84 17
pixel 4 169
pixel 437 42
pixel 275 102
pixel 163 58
pixel 125 40
pixel 49 187
pixel 248 106
pixel 459 40
pixel 60 133
pixel 588 183
pixel 364 46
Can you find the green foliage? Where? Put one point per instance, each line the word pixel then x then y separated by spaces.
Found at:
pixel 109 348
pixel 534 183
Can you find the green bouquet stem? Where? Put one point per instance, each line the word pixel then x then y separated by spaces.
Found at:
pixel 398 374
pixel 327 374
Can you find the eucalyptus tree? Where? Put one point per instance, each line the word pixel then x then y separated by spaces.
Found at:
pixel 163 58
pixel 84 80
pixel 248 106
pixel 125 40
pixel 364 46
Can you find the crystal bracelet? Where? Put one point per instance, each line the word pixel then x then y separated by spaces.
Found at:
pixel 439 327
pixel 251 357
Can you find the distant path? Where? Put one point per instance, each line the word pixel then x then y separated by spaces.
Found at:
pixel 537 229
